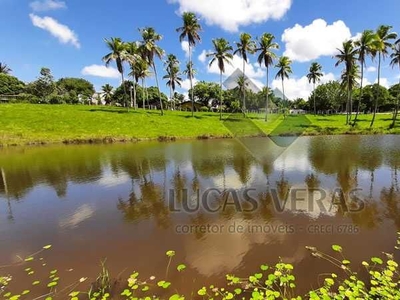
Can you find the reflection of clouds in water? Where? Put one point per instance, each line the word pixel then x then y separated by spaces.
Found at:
pixel 109 179
pixel 224 252
pixel 302 201
pixel 293 161
pixel 83 213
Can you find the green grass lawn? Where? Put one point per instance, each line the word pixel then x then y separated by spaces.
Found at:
pixel 34 124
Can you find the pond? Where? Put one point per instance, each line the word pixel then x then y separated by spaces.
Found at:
pixel 225 206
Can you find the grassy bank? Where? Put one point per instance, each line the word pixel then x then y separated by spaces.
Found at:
pixel 22 124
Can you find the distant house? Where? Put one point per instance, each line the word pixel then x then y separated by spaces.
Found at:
pixel 187 106
pixel 297 112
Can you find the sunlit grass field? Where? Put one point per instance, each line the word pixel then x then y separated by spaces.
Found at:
pixel 22 124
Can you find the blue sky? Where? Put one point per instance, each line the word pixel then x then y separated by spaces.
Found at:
pixel 68 36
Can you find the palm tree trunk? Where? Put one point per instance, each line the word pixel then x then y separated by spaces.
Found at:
pixel 315 106
pixel 284 101
pixel 396 112
pixel 143 91
pixel 379 90
pixel 267 103
pixel 348 97
pixel 360 97
pixel 170 95
pixel 125 93
pixel 191 78
pixel 220 96
pixel 158 88
pixel 134 96
pixel 131 95
pixel 244 89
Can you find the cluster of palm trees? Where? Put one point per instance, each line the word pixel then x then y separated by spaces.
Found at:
pixel 353 54
pixel 141 57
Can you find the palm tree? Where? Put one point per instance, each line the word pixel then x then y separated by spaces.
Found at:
pixel 150 49
pixel 141 71
pixel 266 45
pixel 190 30
pixel 119 55
pixel 221 55
pixel 395 56
pixel 313 77
pixel 350 80
pixel 365 49
pixel 283 72
pixel 189 71
pixel 107 93
pixel 347 55
pixel 132 49
pixel 381 46
pixel 173 74
pixel 4 69
pixel 246 45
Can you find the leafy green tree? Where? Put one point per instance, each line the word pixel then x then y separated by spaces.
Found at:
pixel 314 76
pixel 119 55
pixel 4 69
pixel 371 92
pixel 395 62
pixel 173 74
pixel 205 92
pixel 381 46
pixel 71 88
pixel 244 47
pixel 190 30
pixel 328 96
pixel 222 54
pixel 107 91
pixel 284 70
pixel 300 103
pixel 44 86
pixel 266 45
pixel 150 49
pixel 10 85
pixel 347 56
pixel 365 49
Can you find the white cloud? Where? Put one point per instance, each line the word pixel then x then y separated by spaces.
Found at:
pixel 231 14
pixel 47 5
pixel 203 56
pixel 100 71
pixel 185 47
pixel 60 31
pixel 383 82
pixel 371 69
pixel 314 40
pixel 237 63
pixel 185 84
pixel 299 88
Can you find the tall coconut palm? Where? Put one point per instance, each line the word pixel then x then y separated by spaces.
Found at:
pixel 381 46
pixel 244 47
pixel 119 55
pixel 107 91
pixel 350 80
pixel 173 74
pixel 190 31
pixel 4 69
pixel 222 54
pixel 150 49
pixel 284 70
pixel 189 71
pixel 347 56
pixel 365 47
pixel 141 72
pixel 132 48
pixel 314 76
pixel 395 56
pixel 266 45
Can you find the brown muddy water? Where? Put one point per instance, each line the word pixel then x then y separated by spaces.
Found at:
pixel 224 206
